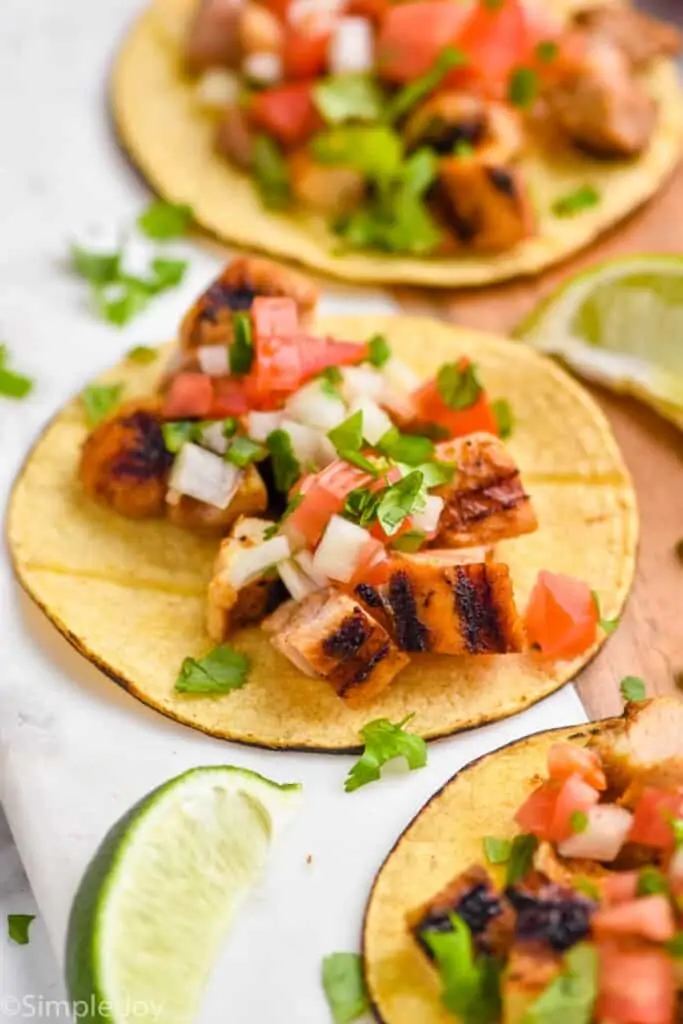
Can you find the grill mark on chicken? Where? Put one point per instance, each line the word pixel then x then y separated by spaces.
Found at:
pixel 411 633
pixel 349 638
pixel 147 457
pixel 365 669
pixel 219 297
pixel 474 604
pixel 368 595
pixel 500 496
pixel 444 137
pixel 502 180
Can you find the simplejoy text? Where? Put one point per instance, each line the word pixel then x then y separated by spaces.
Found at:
pixel 39 1008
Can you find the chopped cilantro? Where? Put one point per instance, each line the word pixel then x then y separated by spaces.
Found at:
pixel 221 670
pixel 436 473
pixel 356 459
pixel 167 273
pixel 651 882
pixel 521 858
pixel 502 410
pixel 411 540
pixel 18 926
pixel 99 400
pixel 243 451
pixel 344 986
pixel 470 984
pixel 333 376
pixel 142 354
pixel 399 500
pixel 583 198
pixel 118 303
pixel 459 385
pixel 176 433
pixel 632 688
pixel 463 149
pixel 373 150
pixel 241 352
pixel 351 97
pixel 578 821
pixel 607 625
pixel 361 506
pixel 271 173
pixel 547 51
pixel 348 436
pixel 675 946
pixel 379 351
pixel 523 87
pixel 95 267
pixel 570 997
pixel 677 828
pixel 411 94
pixel 163 221
pixel 587 888
pixel 497 850
pixel 383 742
pixel 286 467
pixel 12 385
pixel 407 448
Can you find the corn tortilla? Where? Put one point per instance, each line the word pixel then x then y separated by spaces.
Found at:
pixel 444 839
pixel 170 139
pixel 131 595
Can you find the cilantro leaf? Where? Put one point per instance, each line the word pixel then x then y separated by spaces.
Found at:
pixel 436 473
pixel 470 986
pixel 356 459
pixel 463 149
pixel 243 450
pixel 18 926
pixel 379 351
pixel 177 433
pixel 632 688
pixel 350 97
pixel 583 198
pixel 497 850
pixel 344 985
pixel 221 670
pixel 411 540
pixel 384 741
pixel 241 352
pixel 167 273
pixel 578 821
pixel 677 828
pixel 95 267
pixel 407 448
pixel 587 887
pixel 651 882
pixel 502 410
pixel 361 506
pixel 13 385
pixel 411 94
pixel 348 436
pixel 286 467
pixel 570 997
pixel 162 220
pixel 271 173
pixel 142 354
pixel 674 947
pixel 547 51
pixel 607 625
pixel 373 150
pixel 397 502
pixel 99 400
pixel 523 87
pixel 459 386
pixel 119 302
pixel 521 858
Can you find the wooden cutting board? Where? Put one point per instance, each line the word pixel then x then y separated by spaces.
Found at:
pixel 649 641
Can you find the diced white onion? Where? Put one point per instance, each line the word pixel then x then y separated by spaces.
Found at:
pixel 305 441
pixel 213 359
pixel 204 476
pixel 314 407
pixel 427 519
pixel 305 560
pixel 252 562
pixel 362 382
pixel 352 47
pixel 375 420
pixel 264 68
pixel 213 437
pixel 608 827
pixel 399 376
pixel 217 88
pixel 260 424
pixel 340 549
pixel 297 582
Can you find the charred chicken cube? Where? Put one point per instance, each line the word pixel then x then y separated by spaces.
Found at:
pixel 461 609
pixel 213 37
pixel 530 968
pixel 230 607
pixel 485 501
pixel 209 319
pixel 639 36
pixel 249 498
pixel 473 897
pixel 331 636
pixel 234 137
pixel 125 464
pixel 452 118
pixel 484 204
pixel 551 914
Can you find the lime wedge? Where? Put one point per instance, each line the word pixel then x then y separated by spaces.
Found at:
pixel 620 323
pixel 160 894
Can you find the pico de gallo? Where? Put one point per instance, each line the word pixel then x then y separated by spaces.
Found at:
pixel 405 124
pixel 587 925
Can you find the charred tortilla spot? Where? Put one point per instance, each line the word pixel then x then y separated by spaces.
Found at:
pixel 147 456
pixel 503 181
pixel 365 669
pixel 411 634
pixel 346 641
pixel 368 595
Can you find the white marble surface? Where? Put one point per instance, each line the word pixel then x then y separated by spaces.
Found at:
pixel 76 751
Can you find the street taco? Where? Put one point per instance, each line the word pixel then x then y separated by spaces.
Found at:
pixel 542 883
pixel 331 503
pixel 508 139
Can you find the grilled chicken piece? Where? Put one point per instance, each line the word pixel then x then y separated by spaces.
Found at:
pixel 485 205
pixel 600 106
pixel 125 464
pixel 530 969
pixel 330 635
pixel 461 609
pixel 234 137
pixel 329 190
pixel 213 38
pixel 448 118
pixel 639 36
pixel 209 319
pixel 229 608
pixel 250 499
pixel 485 501
pixel 473 897
pixel 643 748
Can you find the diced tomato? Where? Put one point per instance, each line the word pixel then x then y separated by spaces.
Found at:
pixel 279 8
pixel 574 795
pixel 637 986
pixel 496 40
pixel 561 617
pixel 324 494
pixel 274 315
pixel 374 575
pixel 430 406
pixel 304 54
pixel 230 398
pixel 652 819
pixel 650 917
pixel 190 395
pixel 319 353
pixel 286 112
pixel 413 35
pixel 565 759
pixel 277 366
pixel 620 886
pixel 536 813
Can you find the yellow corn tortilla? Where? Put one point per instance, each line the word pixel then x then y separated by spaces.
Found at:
pixel 131 595
pixel 170 139
pixel 444 839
